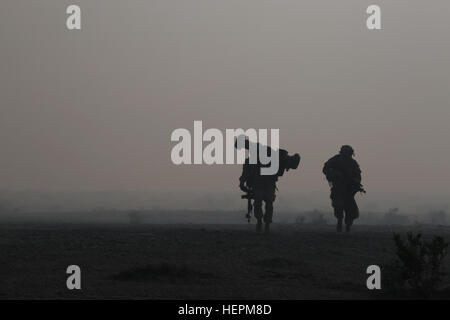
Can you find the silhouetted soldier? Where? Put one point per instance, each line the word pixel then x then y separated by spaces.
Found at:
pixel 261 188
pixel 344 175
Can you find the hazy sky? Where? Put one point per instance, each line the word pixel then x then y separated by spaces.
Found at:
pixel 94 109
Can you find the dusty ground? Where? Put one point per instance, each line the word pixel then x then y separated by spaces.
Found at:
pixel 193 261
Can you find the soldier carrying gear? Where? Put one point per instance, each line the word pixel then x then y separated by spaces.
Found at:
pixel 344 176
pixel 262 187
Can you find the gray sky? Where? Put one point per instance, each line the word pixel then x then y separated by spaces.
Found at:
pixel 94 109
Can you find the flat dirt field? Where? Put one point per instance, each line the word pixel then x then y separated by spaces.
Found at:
pixel 195 261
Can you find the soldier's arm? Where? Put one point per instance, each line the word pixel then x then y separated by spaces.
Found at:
pixel 244 176
pixel 328 166
pixel 329 169
pixel 357 173
pixel 358 177
pixel 325 167
pixel 245 172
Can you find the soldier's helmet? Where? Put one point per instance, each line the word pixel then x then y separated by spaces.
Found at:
pixel 347 150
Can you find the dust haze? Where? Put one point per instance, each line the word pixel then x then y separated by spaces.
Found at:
pixel 86 116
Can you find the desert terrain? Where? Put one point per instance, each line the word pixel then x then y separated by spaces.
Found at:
pixel 195 261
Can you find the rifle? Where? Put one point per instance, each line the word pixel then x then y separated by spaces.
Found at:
pixel 361 189
pixel 249 197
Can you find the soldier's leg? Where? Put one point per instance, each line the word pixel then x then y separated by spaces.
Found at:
pixel 337 203
pixel 269 197
pixel 339 214
pixel 268 215
pixel 348 217
pixel 269 211
pixel 348 221
pixel 257 208
pixel 351 212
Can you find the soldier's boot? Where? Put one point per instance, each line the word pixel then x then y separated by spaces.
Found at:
pixel 259 226
pixel 268 216
pixel 339 225
pixel 348 227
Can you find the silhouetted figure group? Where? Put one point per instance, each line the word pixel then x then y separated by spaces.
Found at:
pixel 341 171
